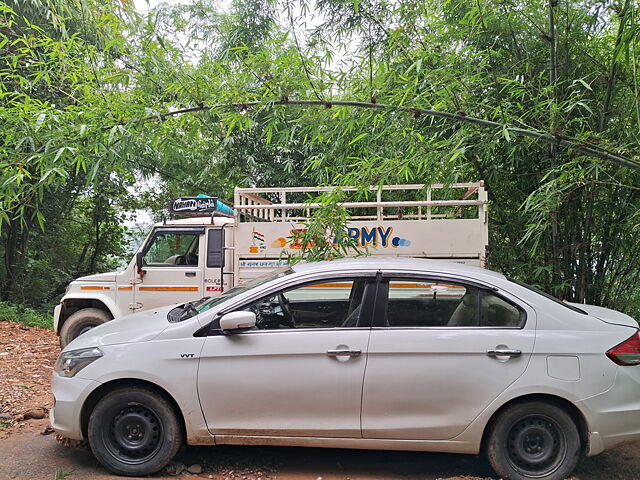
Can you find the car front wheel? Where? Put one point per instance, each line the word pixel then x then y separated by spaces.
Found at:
pixel 535 440
pixel 134 431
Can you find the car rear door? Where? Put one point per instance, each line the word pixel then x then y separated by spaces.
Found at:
pixel 439 353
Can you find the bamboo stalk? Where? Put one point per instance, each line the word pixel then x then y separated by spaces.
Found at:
pixel 559 140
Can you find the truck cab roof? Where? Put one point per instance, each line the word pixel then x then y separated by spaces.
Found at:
pixel 197 221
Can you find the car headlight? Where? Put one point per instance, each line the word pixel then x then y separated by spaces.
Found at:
pixel 71 362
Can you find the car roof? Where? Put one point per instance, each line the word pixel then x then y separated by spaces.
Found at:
pixel 408 264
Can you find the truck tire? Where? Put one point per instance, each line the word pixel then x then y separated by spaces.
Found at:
pixel 80 322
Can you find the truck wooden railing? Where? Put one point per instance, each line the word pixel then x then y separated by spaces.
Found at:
pixel 431 221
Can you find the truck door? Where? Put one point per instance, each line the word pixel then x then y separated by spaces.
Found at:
pixel 214 276
pixel 172 268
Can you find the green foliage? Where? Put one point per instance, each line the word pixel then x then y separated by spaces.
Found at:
pixel 10 312
pixel 324 236
pixel 61 474
pixel 89 92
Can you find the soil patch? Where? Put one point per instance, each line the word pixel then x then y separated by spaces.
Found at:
pixel 27 358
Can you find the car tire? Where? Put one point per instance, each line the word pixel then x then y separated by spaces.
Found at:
pixel 134 431
pixel 80 322
pixel 533 440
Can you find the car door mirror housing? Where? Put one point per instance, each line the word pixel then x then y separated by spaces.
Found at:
pixel 237 321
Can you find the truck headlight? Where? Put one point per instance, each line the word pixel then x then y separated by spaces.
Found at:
pixel 71 362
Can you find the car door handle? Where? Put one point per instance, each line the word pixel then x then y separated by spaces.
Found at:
pixel 189 274
pixel 504 353
pixel 344 353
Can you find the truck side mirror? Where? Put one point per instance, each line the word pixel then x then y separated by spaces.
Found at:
pixel 140 264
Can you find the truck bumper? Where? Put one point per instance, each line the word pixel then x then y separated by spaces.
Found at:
pixel 56 317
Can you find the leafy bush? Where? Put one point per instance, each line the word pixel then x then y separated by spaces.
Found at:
pixel 10 312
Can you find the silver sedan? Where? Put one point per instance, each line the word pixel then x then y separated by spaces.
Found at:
pixel 398 354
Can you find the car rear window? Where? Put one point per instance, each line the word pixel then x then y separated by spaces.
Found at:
pixel 548 296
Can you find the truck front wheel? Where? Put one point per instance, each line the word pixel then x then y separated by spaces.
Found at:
pixel 80 322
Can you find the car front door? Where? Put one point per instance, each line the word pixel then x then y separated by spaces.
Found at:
pixel 172 268
pixel 440 352
pixel 300 371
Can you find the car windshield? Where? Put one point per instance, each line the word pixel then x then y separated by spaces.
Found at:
pixel 189 309
pixel 546 295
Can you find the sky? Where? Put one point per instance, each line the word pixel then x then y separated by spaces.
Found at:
pixel 144 5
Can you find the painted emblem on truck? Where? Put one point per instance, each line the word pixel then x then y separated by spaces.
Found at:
pixel 362 237
pixel 257 241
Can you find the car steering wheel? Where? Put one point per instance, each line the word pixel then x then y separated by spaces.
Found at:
pixel 286 310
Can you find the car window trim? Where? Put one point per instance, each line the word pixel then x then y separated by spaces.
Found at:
pixel 386 276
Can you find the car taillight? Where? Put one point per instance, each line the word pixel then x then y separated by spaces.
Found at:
pixel 628 352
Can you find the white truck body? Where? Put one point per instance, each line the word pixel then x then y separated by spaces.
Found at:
pixel 191 258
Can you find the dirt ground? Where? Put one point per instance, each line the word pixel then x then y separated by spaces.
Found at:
pixel 29 451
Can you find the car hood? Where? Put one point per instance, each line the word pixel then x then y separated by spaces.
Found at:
pixel 139 327
pixel 99 277
pixel 608 315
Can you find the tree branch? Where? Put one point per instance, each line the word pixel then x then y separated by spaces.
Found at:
pixel 559 140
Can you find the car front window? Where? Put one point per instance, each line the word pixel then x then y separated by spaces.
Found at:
pixel 333 303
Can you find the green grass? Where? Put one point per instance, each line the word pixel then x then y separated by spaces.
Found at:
pixel 4 424
pixel 61 474
pixel 10 312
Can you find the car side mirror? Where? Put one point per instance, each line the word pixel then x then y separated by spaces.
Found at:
pixel 237 321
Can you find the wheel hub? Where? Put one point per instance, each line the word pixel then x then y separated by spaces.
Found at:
pixel 134 434
pixel 536 446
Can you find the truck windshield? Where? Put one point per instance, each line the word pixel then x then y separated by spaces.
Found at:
pixel 190 311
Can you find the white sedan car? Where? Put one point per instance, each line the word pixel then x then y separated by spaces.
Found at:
pixel 393 354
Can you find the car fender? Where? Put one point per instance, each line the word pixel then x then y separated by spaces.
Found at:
pixel 475 431
pixel 175 373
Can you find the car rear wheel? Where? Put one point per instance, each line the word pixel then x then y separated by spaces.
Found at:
pixel 80 322
pixel 535 440
pixel 134 431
